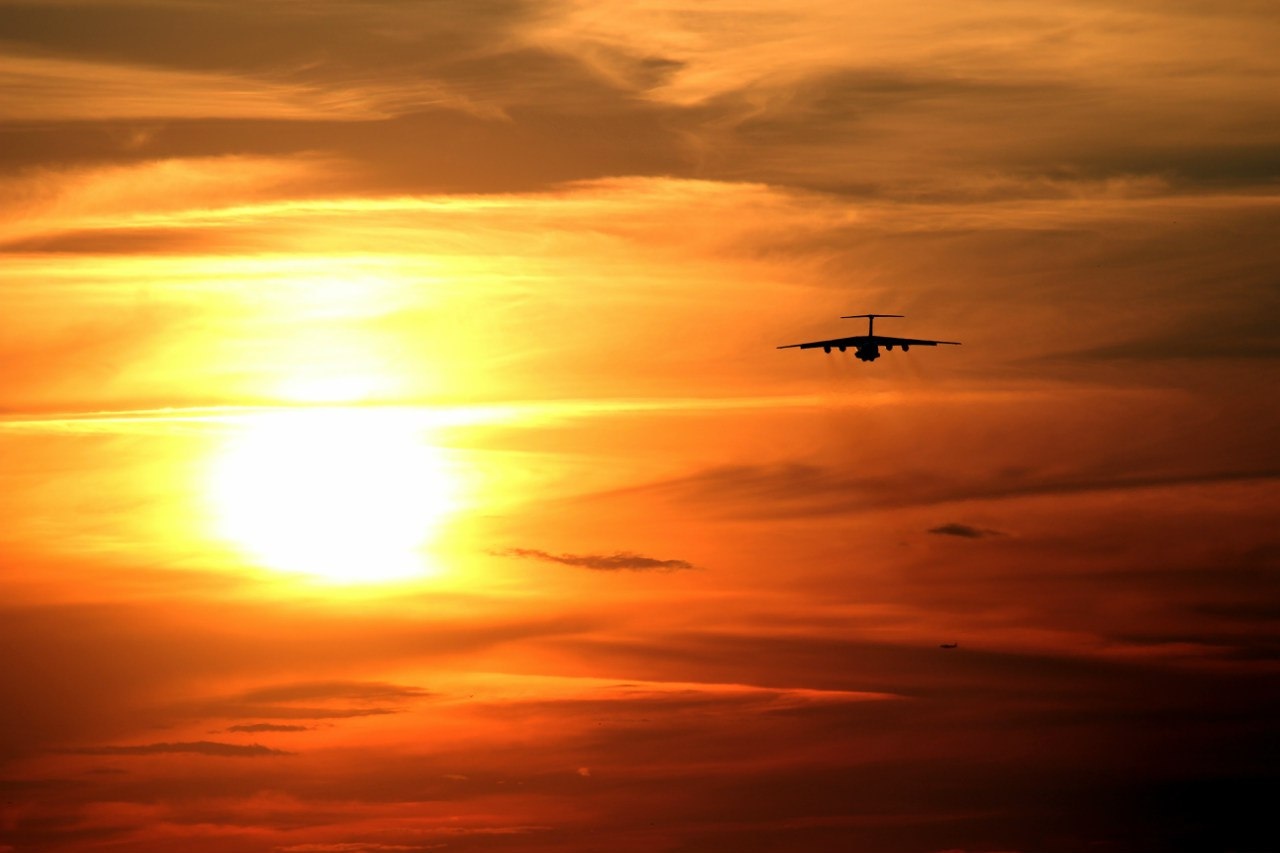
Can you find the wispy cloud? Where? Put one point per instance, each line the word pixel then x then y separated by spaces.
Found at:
pixel 267 727
pixel 365 691
pixel 964 531
pixel 288 712
pixel 653 694
pixel 45 89
pixel 621 561
pixel 353 847
pixel 200 747
pixel 82 199
pixel 791 90
pixel 310 700
pixel 804 489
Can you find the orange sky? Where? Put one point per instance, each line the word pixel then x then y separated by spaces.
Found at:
pixel 395 454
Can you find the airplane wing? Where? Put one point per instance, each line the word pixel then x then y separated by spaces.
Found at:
pixel 878 340
pixel 834 342
pixel 883 341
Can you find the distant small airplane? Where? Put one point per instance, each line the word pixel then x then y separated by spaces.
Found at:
pixel 868 346
pixel 948 645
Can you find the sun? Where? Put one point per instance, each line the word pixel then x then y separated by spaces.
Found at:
pixel 345 495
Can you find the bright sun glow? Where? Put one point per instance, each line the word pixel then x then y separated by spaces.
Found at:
pixel 347 495
pixel 329 388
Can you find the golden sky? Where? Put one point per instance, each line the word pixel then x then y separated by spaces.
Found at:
pixel 395 454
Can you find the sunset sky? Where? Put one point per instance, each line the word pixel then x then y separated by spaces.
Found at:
pixel 395 454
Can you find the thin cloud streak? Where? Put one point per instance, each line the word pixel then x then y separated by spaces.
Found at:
pixel 202 747
pixel 964 531
pixel 515 413
pixel 621 561
pixel 353 847
pixel 801 490
pixel 267 727
pixel 45 89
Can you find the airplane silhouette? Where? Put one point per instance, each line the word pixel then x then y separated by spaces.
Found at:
pixel 948 645
pixel 867 347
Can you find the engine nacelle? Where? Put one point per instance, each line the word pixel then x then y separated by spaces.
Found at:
pixel 827 350
pixel 905 347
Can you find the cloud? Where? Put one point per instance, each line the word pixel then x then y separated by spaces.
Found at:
pixel 335 61
pixel 83 200
pixel 800 489
pixel 200 747
pixel 926 99
pixel 116 658
pixel 353 847
pixel 434 831
pixel 964 531
pixel 293 712
pixel 1212 334
pixel 596 697
pixel 310 700
pixel 124 241
pixel 621 561
pixel 949 257
pixel 267 727
pixel 367 691
pixel 818 93
pixel 50 90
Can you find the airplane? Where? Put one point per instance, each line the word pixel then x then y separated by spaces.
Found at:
pixel 948 645
pixel 867 347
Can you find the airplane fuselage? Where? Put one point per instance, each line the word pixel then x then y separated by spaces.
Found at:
pixel 867 352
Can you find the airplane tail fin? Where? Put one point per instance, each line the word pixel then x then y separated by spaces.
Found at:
pixel 871 320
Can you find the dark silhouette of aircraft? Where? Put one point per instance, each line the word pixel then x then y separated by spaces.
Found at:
pixel 948 645
pixel 867 347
